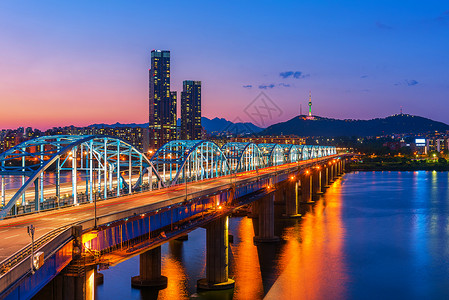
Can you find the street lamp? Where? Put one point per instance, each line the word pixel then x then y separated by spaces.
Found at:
pixel 31 230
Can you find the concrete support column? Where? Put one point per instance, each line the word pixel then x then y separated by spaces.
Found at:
pixel 74 283
pixel 266 220
pixel 292 201
pixel 337 168
pixel 150 270
pixel 331 173
pixel 324 177
pixel 280 194
pixel 216 257
pixel 306 188
pixel 316 183
pixel 254 210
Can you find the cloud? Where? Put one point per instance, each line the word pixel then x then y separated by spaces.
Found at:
pixel 407 82
pixel 411 82
pixel 293 74
pixel 247 86
pixel 266 86
pixel 444 16
pixel 284 84
pixel 286 74
pixel 383 26
pixel 364 76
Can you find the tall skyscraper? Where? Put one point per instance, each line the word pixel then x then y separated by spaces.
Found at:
pixel 162 128
pixel 191 110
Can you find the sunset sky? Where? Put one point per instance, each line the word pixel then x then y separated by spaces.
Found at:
pixel 83 62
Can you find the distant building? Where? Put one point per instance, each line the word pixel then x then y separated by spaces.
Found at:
pixel 191 110
pixel 437 144
pixel 282 139
pixel 395 145
pixel 162 102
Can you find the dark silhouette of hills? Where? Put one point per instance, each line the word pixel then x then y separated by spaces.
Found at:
pixel 212 126
pixel 396 124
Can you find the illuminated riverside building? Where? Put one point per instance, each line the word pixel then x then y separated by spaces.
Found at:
pixel 191 110
pixel 162 101
pixel 282 139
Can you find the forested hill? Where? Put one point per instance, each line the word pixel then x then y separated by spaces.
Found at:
pixel 396 124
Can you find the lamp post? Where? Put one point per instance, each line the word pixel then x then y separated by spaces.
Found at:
pixel 31 230
pixel 95 212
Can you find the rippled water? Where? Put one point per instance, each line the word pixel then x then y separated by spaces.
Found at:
pixel 375 235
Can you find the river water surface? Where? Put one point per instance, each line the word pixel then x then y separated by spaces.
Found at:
pixel 373 235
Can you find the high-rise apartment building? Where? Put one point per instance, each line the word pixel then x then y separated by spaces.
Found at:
pixel 162 119
pixel 191 110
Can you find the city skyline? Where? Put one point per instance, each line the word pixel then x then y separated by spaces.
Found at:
pixel 162 100
pixel 191 110
pixel 361 61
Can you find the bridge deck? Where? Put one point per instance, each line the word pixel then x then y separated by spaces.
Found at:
pixel 13 232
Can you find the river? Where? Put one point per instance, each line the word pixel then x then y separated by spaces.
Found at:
pixel 373 235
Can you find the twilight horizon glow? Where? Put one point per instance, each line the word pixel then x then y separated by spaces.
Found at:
pixel 82 62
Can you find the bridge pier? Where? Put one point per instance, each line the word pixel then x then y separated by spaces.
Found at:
pixel 331 172
pixel 266 220
pixel 316 183
pixel 74 283
pixel 216 257
pixel 340 167
pixel 306 187
pixel 150 271
pixel 325 177
pixel 254 210
pixel 292 201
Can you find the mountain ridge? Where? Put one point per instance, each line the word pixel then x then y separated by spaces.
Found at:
pixel 212 126
pixel 329 127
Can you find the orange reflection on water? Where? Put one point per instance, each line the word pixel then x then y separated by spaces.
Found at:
pixel 174 270
pixel 311 263
pixel 246 266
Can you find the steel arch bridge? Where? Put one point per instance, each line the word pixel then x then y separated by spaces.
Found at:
pixel 54 171
pixel 109 166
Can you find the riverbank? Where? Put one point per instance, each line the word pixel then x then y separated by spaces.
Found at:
pixel 398 166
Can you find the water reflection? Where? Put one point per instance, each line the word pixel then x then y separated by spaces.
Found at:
pixel 312 264
pixel 372 235
pixel 245 264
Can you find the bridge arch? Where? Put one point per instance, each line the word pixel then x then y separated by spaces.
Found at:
pixel 272 154
pixel 292 153
pixel 189 160
pixel 243 156
pixel 109 166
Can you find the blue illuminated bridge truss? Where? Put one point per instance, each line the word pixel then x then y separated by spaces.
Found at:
pixel 54 171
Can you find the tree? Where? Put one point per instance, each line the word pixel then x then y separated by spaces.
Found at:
pixel 442 161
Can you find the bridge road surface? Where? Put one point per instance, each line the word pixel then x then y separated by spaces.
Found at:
pixel 65 188
pixel 13 231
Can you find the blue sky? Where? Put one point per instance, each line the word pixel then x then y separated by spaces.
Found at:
pixel 83 62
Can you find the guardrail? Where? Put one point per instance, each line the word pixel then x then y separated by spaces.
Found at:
pixel 18 264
